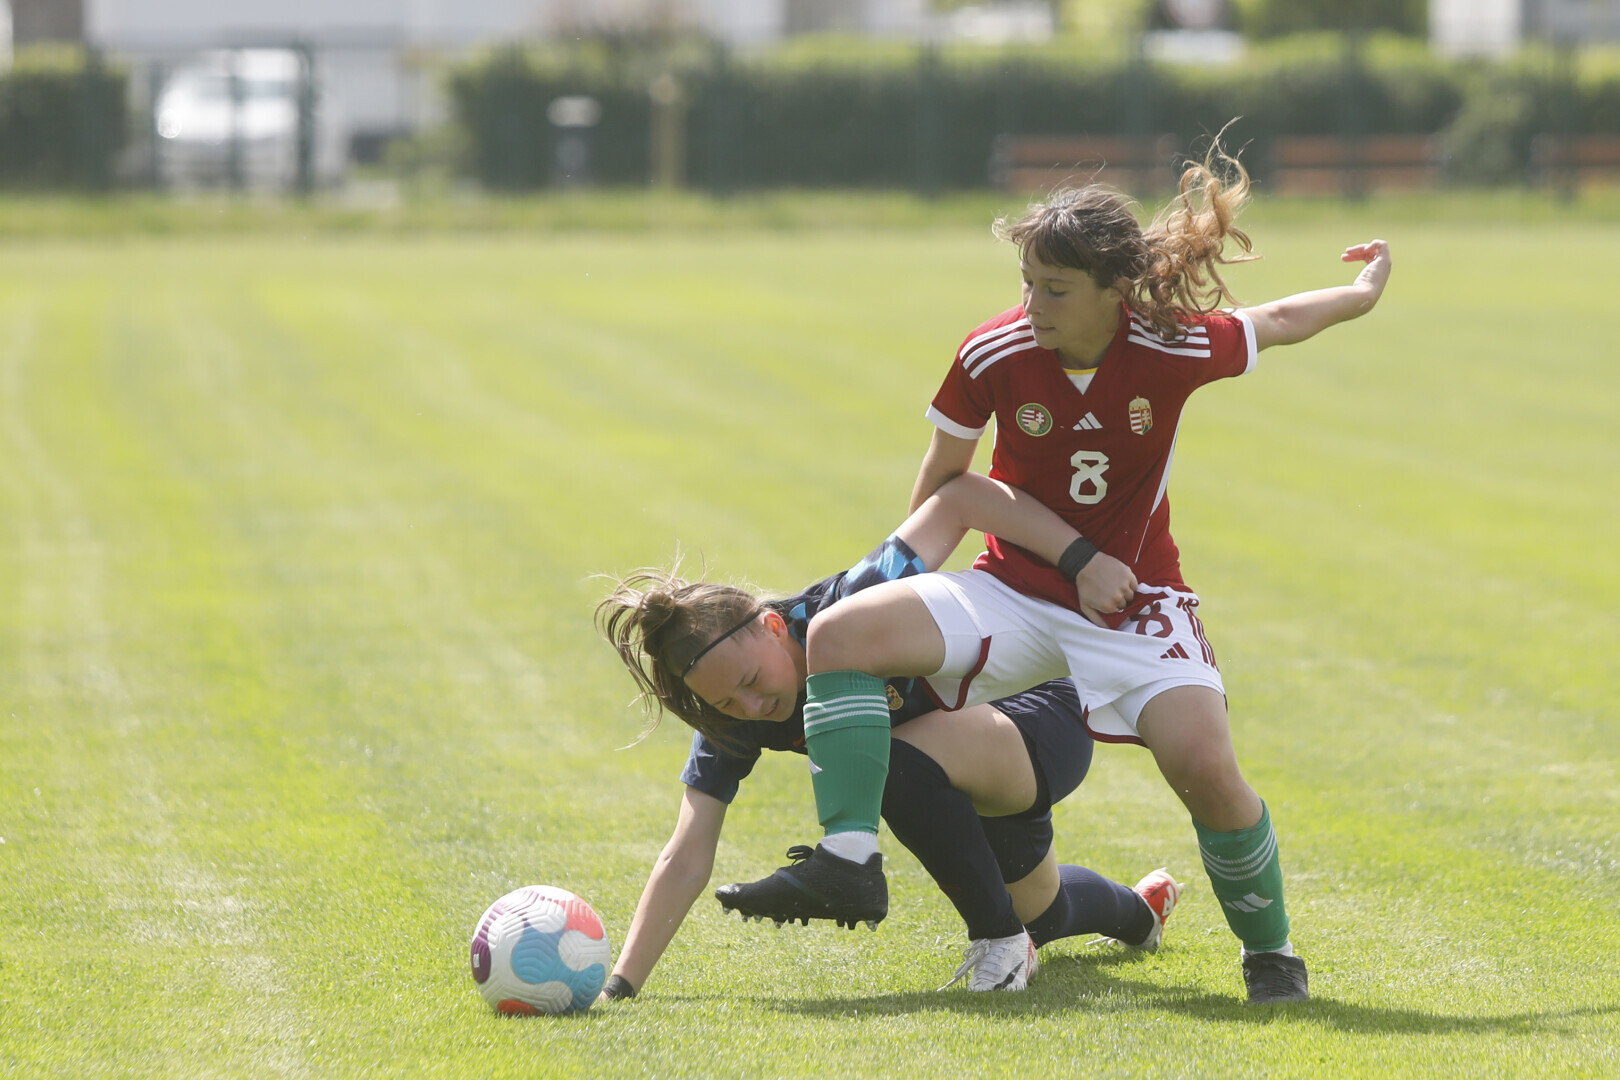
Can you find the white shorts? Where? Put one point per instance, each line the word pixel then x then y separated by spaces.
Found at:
pixel 999 642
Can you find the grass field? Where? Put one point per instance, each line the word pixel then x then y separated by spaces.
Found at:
pixel 298 545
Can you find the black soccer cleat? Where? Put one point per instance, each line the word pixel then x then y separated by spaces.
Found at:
pixel 1273 978
pixel 815 885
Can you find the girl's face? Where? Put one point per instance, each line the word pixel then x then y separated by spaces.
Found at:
pixel 752 674
pixel 1069 311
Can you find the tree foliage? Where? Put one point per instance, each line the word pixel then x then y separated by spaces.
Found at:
pixel 1273 18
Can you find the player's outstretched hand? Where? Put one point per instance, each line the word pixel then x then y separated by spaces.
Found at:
pixel 1375 253
pixel 1105 587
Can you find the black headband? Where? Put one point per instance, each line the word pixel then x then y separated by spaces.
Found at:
pixel 701 653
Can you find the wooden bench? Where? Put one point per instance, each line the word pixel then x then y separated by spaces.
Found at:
pixel 1337 165
pixel 1575 161
pixel 1037 164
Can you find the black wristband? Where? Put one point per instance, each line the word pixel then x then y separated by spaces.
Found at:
pixel 619 987
pixel 1075 557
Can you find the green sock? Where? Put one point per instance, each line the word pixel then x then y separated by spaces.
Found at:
pixel 1246 874
pixel 846 732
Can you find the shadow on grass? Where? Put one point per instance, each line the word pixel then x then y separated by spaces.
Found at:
pixel 1097 985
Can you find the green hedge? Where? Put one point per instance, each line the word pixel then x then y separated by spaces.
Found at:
pixel 62 120
pixel 926 120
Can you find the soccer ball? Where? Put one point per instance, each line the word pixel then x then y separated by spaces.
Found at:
pixel 540 949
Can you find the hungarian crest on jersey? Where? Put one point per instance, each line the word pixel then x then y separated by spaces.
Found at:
pixel 1141 413
pixel 1035 419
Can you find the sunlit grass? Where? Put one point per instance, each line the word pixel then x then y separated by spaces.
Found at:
pixel 297 544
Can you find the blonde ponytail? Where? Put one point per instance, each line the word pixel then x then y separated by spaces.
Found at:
pixel 1186 244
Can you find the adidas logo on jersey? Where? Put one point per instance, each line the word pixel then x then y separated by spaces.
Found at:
pixel 1088 422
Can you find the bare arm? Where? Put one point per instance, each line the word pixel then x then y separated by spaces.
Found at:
pixel 971 501
pixel 677 880
pixel 947 456
pixel 1295 318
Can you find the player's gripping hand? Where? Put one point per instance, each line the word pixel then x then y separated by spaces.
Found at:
pixel 1105 587
pixel 1375 253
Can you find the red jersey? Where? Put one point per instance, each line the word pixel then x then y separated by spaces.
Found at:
pixel 1100 457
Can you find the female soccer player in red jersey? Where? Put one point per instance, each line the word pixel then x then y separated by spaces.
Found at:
pixel 1086 379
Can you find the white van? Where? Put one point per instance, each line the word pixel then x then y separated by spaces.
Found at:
pixel 232 116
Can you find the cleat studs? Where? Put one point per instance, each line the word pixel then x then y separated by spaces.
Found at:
pixel 871 924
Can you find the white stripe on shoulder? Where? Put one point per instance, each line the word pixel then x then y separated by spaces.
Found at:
pixel 997 332
pixel 1198 335
pixel 951 427
pixel 1018 344
pixel 992 339
pixel 1152 342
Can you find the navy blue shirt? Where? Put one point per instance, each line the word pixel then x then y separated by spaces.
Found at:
pixel 717 772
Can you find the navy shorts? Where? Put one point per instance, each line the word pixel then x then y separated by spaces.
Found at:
pixel 1052 722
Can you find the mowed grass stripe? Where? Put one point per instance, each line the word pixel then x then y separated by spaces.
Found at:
pixel 122 850
pixel 425 671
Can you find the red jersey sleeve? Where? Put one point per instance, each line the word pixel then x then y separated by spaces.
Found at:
pixel 1231 346
pixel 963 407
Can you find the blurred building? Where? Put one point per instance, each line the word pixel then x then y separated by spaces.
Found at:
pixel 1497 27
pixel 379 59
pixel 747 22
pixel 37 21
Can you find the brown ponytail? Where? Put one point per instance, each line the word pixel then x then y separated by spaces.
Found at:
pixel 1170 269
pixel 659 624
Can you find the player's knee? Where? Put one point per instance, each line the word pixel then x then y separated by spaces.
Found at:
pixel 1205 769
pixel 830 643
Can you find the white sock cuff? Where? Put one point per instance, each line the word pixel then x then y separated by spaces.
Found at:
pixel 1286 950
pixel 857 847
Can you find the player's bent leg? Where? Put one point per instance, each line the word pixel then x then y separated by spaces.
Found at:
pixel 1087 903
pixel 933 814
pixel 940 826
pixel 1187 731
pixel 1035 892
pixel 846 729
pixel 847 735
pixel 982 754
pixel 883 630
pixel 1063 901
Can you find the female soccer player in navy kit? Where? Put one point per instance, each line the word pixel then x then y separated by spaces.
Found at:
pixel 1086 379
pixel 732 666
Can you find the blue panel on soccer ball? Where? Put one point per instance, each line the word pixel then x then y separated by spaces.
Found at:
pixel 535 960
